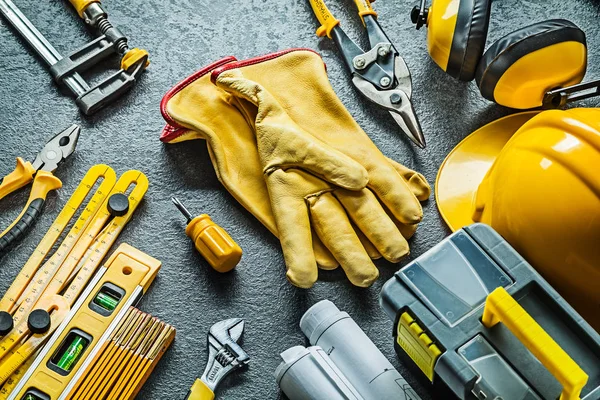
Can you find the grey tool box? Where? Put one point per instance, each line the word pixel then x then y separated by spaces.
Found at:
pixel 437 304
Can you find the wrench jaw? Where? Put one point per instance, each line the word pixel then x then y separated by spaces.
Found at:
pixel 224 353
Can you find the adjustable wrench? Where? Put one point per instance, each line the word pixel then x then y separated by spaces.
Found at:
pixel 224 356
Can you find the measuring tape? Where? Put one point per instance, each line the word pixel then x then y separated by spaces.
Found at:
pixel 118 285
pixel 73 264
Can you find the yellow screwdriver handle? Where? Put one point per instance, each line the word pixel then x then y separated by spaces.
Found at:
pixel 365 8
pixel 325 17
pixel 199 391
pixel 214 243
pixel 81 5
pixel 21 176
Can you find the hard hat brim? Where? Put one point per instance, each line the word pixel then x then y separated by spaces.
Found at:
pixel 467 164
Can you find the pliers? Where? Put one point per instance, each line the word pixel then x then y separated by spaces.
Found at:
pixel 41 172
pixel 380 74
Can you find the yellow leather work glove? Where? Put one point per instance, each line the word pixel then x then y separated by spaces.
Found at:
pixel 196 109
pixel 291 89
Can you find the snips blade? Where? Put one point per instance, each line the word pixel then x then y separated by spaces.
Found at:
pixel 396 100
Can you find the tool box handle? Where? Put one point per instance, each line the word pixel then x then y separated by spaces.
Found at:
pixel 500 306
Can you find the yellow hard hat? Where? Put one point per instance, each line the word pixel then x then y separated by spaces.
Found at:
pixel 535 178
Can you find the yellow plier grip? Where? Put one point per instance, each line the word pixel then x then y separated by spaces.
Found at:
pixel 43 183
pixel 200 391
pixel 21 176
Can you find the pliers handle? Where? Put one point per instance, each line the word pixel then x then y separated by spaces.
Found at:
pixel 43 183
pixel 40 172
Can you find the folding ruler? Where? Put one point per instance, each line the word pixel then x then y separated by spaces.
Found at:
pixel 42 294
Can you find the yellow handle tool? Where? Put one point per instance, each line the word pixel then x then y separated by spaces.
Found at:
pixel 364 8
pixel 200 391
pixel 325 17
pixel 21 176
pixel 212 241
pixel 43 183
pixel 55 151
pixel 502 307
pixel 82 5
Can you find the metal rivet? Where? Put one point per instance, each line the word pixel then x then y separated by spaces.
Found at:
pixel 385 81
pixel 359 62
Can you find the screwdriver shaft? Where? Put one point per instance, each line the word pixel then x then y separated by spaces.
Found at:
pixel 182 208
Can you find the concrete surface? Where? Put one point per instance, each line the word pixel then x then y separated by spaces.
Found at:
pixel 182 36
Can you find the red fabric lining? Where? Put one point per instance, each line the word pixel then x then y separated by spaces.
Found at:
pixel 173 129
pixel 251 61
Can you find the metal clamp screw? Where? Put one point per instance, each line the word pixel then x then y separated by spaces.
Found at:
pixel 395 98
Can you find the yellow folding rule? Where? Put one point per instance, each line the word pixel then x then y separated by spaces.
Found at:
pixel 55 284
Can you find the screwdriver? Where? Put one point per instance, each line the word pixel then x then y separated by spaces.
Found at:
pixel 215 245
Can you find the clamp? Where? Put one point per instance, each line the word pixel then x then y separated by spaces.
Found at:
pixel 66 70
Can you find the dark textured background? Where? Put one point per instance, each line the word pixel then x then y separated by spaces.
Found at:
pixel 182 36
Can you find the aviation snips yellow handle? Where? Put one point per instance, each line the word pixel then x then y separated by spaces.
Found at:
pixel 43 183
pixel 328 21
pixel 200 391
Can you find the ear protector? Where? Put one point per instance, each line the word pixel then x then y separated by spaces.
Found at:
pixel 527 68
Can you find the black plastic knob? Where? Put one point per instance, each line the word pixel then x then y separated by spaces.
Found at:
pixel 6 323
pixel 419 17
pixel 38 321
pixel 118 205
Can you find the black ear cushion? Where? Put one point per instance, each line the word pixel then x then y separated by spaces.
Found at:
pixel 469 37
pixel 508 50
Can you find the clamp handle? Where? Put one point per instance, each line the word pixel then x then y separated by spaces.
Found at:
pixel 325 17
pixel 21 176
pixel 200 391
pixel 500 306
pixel 81 5
pixel 43 183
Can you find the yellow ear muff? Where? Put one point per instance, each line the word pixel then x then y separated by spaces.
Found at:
pixel 456 34
pixel 517 70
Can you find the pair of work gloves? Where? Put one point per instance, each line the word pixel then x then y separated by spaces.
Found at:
pixel 286 148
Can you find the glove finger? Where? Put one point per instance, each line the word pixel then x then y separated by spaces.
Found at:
pixel 373 253
pixel 416 181
pixel 366 212
pixel 393 191
pixel 325 260
pixel 293 227
pixel 288 145
pixel 334 229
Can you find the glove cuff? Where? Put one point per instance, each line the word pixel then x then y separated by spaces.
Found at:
pixel 256 60
pixel 172 130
